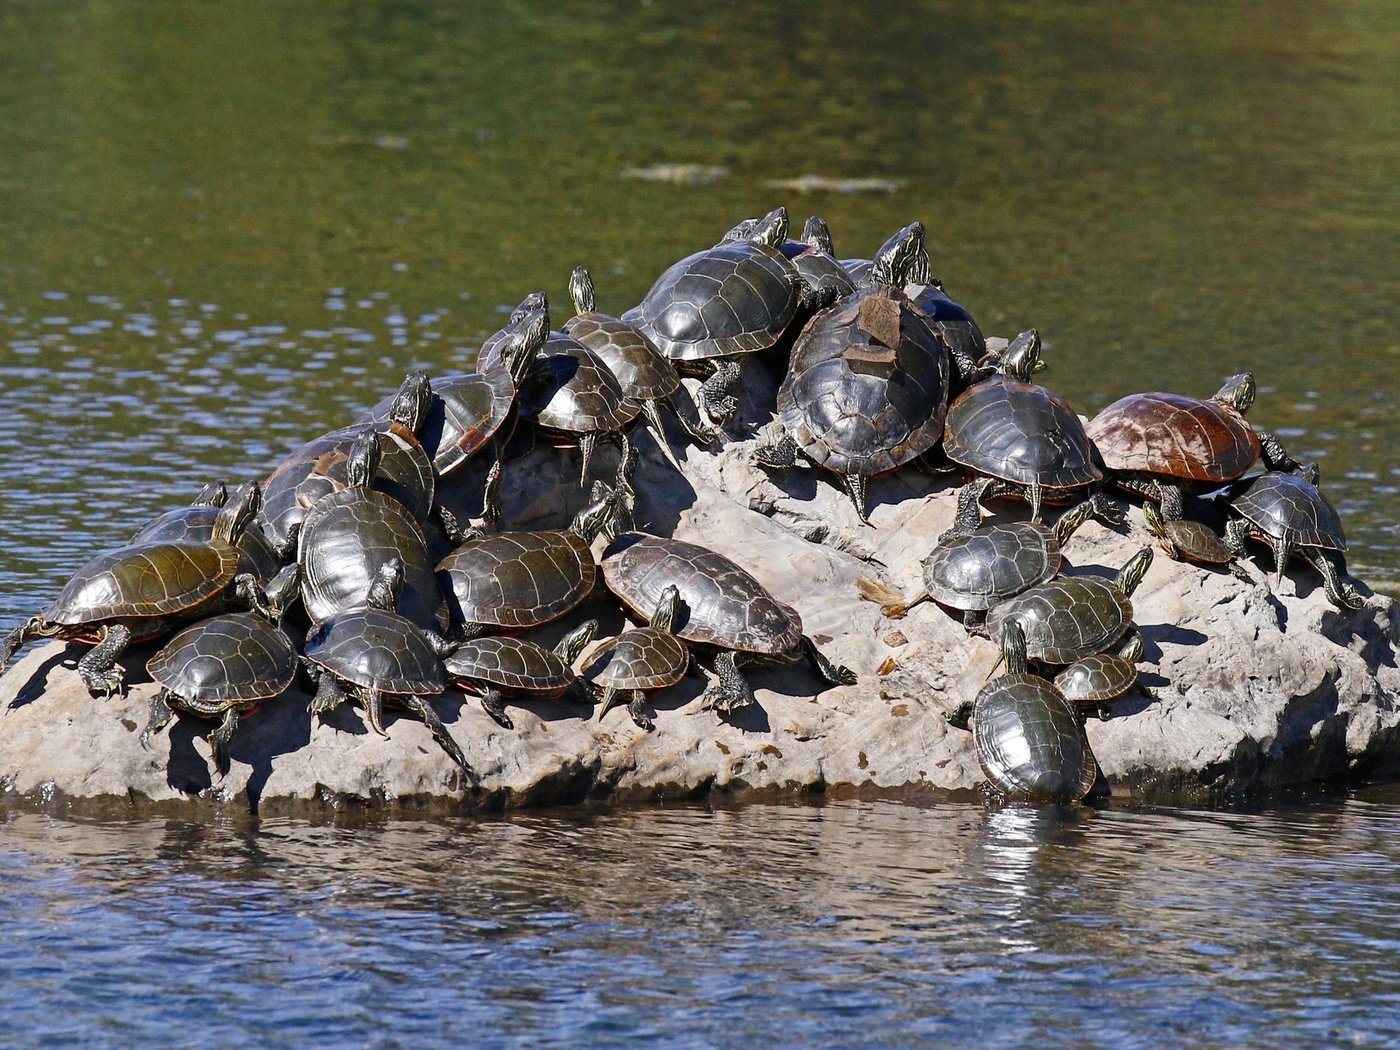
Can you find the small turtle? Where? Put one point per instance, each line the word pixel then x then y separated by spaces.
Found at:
pixel 815 258
pixel 498 667
pixel 224 667
pixel 373 654
pixel 1289 513
pixel 1149 441
pixel 724 609
pixel 1187 540
pixel 1072 617
pixel 1024 435
pixel 195 523
pixel 643 374
pixel 640 661
pixel 1094 682
pixel 867 387
pixel 136 593
pixel 1030 739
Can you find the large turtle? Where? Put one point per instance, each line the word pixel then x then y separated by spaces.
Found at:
pixel 867 387
pixel 1030 740
pixel 136 593
pixel 195 523
pixel 724 609
pixel 373 654
pixel 1289 513
pixel 1159 439
pixel 1022 434
pixel 499 667
pixel 639 661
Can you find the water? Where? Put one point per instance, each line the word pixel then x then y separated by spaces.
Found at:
pixel 225 228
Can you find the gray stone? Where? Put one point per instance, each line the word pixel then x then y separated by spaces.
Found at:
pixel 1256 690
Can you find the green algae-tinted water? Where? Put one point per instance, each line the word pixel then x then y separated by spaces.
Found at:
pixel 224 228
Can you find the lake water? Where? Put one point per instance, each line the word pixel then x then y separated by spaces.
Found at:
pixel 224 228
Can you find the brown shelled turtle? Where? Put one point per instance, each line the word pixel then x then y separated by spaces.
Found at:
pixel 1188 540
pixel 499 667
pixel 195 523
pixel 641 661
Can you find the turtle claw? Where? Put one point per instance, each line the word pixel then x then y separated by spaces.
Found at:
pixel 491 703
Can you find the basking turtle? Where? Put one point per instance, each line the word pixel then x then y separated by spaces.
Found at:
pixel 966 344
pixel 643 374
pixel 350 535
pixel 976 566
pixel 1289 513
pixel 724 609
pixel 1030 740
pixel 373 654
pixel 1187 540
pixel 1022 434
pixel 639 661
pixel 136 593
pixel 195 523
pixel 224 667
pixel 1097 680
pixel 1150 441
pixel 712 307
pixel 1072 617
pixel 498 667
pixel 815 259
pixel 867 387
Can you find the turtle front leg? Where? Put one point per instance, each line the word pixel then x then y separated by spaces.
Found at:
pixel 424 710
pixel 491 492
pixel 160 716
pixel 1274 455
pixel 1339 591
pixel 452 528
pixel 960 717
pixel 732 691
pixel 637 708
pixel 719 395
pixel 694 429
pixel 780 455
pixel 99 668
pixel 493 703
pixel 287 550
pixel 18 639
pixel 830 673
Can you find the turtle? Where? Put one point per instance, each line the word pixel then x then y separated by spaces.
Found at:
pixel 1072 617
pixel 1289 513
pixel 1187 540
pixel 867 387
pixel 350 535
pixel 501 666
pixel 1022 434
pixel 1158 439
pixel 815 258
pixel 196 523
pixel 710 308
pixel 641 660
pixel 139 592
pixel 976 566
pixel 371 653
pixel 724 609
pixel 223 667
pixel 1030 739
pixel 1095 681
pixel 967 346
pixel 644 375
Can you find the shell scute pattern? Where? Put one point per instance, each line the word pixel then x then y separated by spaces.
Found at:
pixel 1175 435
pixel 1019 432
pixel 975 572
pixel 377 649
pixel 236 657
pixel 641 371
pixel 152 580
pixel 644 658
pixel 518 579
pixel 583 396
pixel 1067 618
pixel 1030 741
pixel 512 663
pixel 1288 507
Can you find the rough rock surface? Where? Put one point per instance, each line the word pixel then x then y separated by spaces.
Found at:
pixel 1258 688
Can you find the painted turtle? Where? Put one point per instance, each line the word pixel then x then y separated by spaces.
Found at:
pixel 1187 540
pixel 640 661
pixel 498 667
pixel 724 609
pixel 195 523
pixel 1095 681
pixel 815 259
pixel 1289 513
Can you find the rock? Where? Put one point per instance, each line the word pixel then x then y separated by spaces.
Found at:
pixel 1257 690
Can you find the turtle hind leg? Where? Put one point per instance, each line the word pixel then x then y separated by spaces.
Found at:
pixel 329 694
pixel 99 668
pixel 832 674
pixel 18 638
pixel 695 430
pixel 732 691
pixel 719 395
pixel 424 710
pixel 222 736
pixel 637 708
pixel 493 703
pixel 780 455
pixel 1340 591
pixel 160 716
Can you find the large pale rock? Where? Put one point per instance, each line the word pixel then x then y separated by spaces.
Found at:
pixel 1257 690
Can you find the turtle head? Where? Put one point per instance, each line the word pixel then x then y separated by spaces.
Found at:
pixel 524 337
pixel 1311 473
pixel 1131 574
pixel 1153 517
pixel 772 229
pixel 668 609
pixel 817 233
pixel 1022 359
pixel 532 302
pixel 898 256
pixel 739 231
pixel 214 494
pixel 969 514
pixel 363 462
pixel 1013 647
pixel 1132 648
pixel 411 403
pixel 238 513
pixel 1238 392
pixel 385 587
pixel 581 289
pixel 576 641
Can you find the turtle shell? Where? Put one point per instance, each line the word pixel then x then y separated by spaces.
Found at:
pixel 1020 432
pixel 228 659
pixel 734 298
pixel 376 649
pixel 195 524
pixel 466 411
pixel 1096 678
pixel 1068 618
pixel 154 580
pixel 645 658
pixel 818 269
pixel 641 371
pixel 582 395
pixel 511 663
pixel 518 579
pixel 1182 437
pixel 950 320
pixel 1288 507
pixel 347 539
pixel 993 563
pixel 1030 741
pixel 867 387
pixel 1197 542
pixel 722 605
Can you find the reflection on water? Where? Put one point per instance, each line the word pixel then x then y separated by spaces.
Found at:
pixel 833 924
